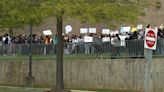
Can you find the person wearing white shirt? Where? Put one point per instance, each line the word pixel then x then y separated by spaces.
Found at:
pixel 87 40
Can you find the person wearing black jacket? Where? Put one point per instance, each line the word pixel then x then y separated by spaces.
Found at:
pixel 132 45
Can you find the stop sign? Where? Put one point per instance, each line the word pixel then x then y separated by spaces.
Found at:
pixel 150 39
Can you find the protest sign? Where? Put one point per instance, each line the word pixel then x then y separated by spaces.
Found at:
pixel 134 29
pixel 68 29
pixel 114 32
pixel 125 29
pixel 92 30
pixel 139 26
pixel 47 32
pixel 88 39
pixel 83 30
pixel 105 31
pixel 106 39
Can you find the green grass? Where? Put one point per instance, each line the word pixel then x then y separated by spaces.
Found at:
pixel 107 90
pixel 111 90
pixel 53 57
pixel 22 89
pixel 35 57
pixel 6 89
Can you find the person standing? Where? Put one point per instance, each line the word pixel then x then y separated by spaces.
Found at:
pixel 55 43
pixel 116 46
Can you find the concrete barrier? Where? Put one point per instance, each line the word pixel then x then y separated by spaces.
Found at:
pixel 87 73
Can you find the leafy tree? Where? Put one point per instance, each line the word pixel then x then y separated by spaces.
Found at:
pixel 16 13
pixel 111 12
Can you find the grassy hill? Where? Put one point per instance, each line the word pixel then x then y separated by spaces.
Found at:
pixel 154 15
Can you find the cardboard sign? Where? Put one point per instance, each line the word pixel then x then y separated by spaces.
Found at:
pixel 161 27
pixel 114 32
pixel 68 29
pixel 125 29
pixel 105 31
pixel 47 32
pixel 92 30
pixel 83 30
pixel 134 29
pixel 139 26
pixel 106 39
pixel 88 39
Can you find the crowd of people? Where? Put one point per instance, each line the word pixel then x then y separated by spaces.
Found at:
pixel 80 43
pixel 70 38
pixel 20 39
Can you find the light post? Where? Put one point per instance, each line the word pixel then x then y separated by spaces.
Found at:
pixel 30 78
pixel 30 53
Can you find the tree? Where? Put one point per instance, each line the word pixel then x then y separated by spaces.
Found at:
pixel 19 13
pixel 111 12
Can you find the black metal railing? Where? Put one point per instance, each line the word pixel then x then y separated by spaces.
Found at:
pixel 128 48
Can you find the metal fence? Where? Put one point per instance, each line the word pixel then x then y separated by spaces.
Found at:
pixel 129 48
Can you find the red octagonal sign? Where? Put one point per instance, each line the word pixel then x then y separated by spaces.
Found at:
pixel 150 38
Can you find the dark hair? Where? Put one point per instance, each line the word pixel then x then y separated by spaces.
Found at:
pixel 135 32
pixel 148 26
pixel 118 36
pixel 6 34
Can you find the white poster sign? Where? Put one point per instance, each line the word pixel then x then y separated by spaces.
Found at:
pixel 139 26
pixel 125 29
pixel 47 32
pixel 68 29
pixel 114 32
pixel 106 39
pixel 105 31
pixel 83 30
pixel 92 30
pixel 88 39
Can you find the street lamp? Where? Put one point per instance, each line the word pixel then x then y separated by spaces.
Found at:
pixel 30 79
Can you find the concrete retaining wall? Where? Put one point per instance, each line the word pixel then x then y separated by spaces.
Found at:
pixel 87 73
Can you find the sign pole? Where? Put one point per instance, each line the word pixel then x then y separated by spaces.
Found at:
pixel 148 69
pixel 149 44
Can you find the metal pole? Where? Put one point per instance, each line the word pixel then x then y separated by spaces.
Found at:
pixel 30 53
pixel 30 78
pixel 147 70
